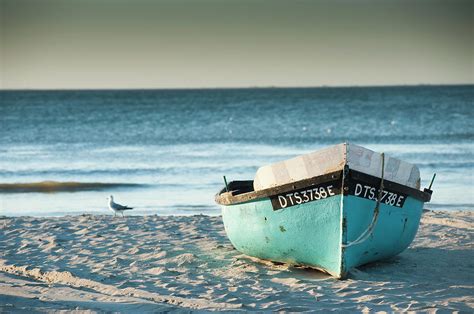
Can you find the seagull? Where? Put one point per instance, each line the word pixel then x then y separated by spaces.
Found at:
pixel 117 207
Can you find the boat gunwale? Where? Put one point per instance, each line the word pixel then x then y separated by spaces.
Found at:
pixel 228 198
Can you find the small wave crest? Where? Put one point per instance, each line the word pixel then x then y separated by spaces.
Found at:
pixel 55 186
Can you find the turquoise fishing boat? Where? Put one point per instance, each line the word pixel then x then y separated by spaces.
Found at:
pixel 333 209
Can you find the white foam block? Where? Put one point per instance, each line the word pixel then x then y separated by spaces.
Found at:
pixel 334 158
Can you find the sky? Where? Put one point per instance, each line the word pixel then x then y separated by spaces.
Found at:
pixel 99 44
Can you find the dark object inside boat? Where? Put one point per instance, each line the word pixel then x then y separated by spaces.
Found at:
pixel 238 187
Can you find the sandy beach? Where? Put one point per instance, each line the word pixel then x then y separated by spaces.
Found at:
pixel 150 263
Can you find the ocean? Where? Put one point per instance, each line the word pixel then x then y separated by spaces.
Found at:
pixel 165 152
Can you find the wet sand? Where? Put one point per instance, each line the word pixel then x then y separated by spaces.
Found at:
pixel 150 263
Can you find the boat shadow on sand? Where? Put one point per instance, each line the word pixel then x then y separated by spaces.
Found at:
pixel 414 265
pixel 411 280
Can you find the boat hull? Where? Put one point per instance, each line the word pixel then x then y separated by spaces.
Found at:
pixel 393 232
pixel 307 234
pixel 321 233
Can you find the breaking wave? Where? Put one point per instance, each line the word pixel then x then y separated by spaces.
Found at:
pixel 55 186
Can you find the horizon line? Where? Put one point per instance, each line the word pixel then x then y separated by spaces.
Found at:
pixel 236 87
